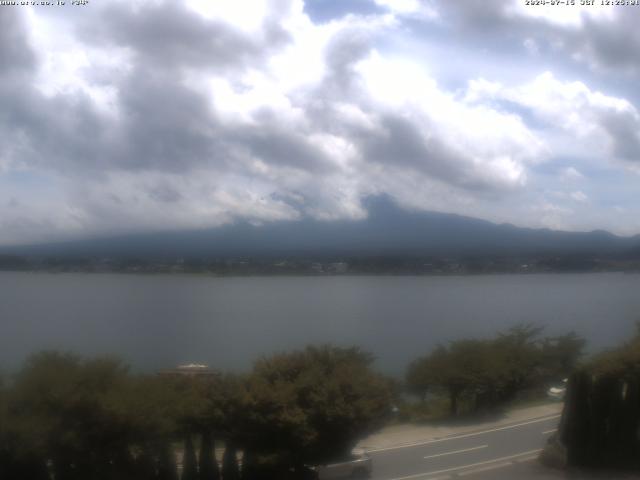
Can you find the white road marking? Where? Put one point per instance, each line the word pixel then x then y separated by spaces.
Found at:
pixel 466 435
pixel 464 467
pixel 486 468
pixel 457 451
pixel 527 459
pixel 550 431
pixel 496 466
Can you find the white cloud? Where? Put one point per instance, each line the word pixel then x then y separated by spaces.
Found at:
pixel 603 125
pixel 421 8
pixel 290 118
pixel 247 15
pixel 531 46
pixel 568 16
pixel 552 216
pixel 571 174
pixel 579 196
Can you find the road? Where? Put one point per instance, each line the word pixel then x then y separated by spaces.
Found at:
pixel 496 452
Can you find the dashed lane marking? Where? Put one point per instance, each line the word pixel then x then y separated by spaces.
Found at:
pixel 456 451
pixel 486 468
pixel 465 435
pixel 502 461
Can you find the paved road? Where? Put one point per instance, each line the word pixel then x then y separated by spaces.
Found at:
pixel 497 452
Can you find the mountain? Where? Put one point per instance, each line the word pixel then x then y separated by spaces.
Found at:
pixel 387 231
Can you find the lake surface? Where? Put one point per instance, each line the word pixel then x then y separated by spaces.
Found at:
pixel 160 321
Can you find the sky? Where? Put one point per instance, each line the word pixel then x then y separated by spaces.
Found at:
pixel 145 115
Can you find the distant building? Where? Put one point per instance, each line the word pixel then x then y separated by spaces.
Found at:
pixel 339 267
pixel 190 370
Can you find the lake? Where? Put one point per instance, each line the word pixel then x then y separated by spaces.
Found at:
pixel 159 321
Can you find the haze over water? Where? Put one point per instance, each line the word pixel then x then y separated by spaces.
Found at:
pixel 160 321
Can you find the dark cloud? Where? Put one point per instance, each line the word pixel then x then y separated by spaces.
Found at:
pixel 403 144
pixel 480 17
pixel 159 144
pixel 610 43
pixel 16 54
pixel 165 193
pixel 64 132
pixel 624 130
pixel 343 52
pixel 168 35
pixel 163 125
pixel 281 147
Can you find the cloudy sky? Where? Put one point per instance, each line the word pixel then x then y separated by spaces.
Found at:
pixel 137 115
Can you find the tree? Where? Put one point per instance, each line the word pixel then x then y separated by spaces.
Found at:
pixel 521 356
pixel 465 367
pixel 68 409
pixel 601 418
pixel 490 372
pixel 311 406
pixel 230 469
pixel 419 378
pixel 189 461
pixel 560 355
pixel 249 466
pixel 91 419
pixel 167 469
pixel 145 466
pixel 208 463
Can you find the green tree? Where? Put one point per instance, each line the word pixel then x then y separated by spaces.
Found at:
pixel 189 461
pixel 419 378
pixel 560 355
pixel 490 372
pixel 601 418
pixel 91 419
pixel 312 406
pixel 463 368
pixel 249 466
pixel 167 469
pixel 521 355
pixel 68 408
pixel 208 465
pixel 230 469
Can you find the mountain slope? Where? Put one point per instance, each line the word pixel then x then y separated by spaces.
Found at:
pixel 388 230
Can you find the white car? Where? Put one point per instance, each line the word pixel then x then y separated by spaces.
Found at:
pixel 356 465
pixel 558 393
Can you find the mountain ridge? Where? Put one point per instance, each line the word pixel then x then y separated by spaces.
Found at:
pixel 388 230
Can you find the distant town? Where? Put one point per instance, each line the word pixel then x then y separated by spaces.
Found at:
pixel 324 266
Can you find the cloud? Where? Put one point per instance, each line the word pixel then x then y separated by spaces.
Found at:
pixel 413 8
pixel 579 196
pixel 570 174
pixel 187 114
pixel 168 35
pixel 531 46
pixel 16 55
pixel 604 37
pixel 604 124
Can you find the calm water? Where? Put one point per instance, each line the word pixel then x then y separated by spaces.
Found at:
pixel 159 321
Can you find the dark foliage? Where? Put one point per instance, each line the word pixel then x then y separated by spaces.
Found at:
pixel 189 462
pixel 208 465
pixel 230 470
pixel 69 418
pixel 601 419
pixel 489 373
